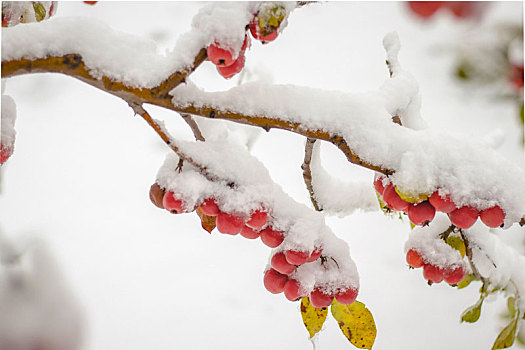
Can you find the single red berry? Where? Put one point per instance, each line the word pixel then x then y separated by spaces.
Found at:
pixel 209 207
pixel 443 204
pixel 414 259
pixel 219 56
pixel 292 290
pixel 256 33
pixel 393 200
pixel 454 276
pixel 5 153
pixel 274 281
pixel 347 297
pixel 516 76
pixel 234 68
pixel 257 219
pixel 432 273
pixel 156 195
pixel 421 213
pixel 248 232
pixel 425 9
pixel 296 257
pixel 315 255
pixel 280 264
pixel 171 204
pixel 493 216
pixel 464 217
pixel 271 237
pixel 318 298
pixel 90 2
pixel 462 9
pixel 229 224
pixel 378 184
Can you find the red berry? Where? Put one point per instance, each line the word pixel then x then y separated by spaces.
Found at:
pixel 156 194
pixel 443 204
pixel 90 2
pixel 296 257
pixel 271 237
pixel 219 56
pixel 234 68
pixel 229 224
pixel 393 200
pixel 347 297
pixel 257 219
pixel 433 274
pixel 171 204
pixel 274 281
pixel 516 76
pixel 318 298
pixel 315 255
pixel 425 9
pixel 280 264
pixel 209 207
pixel 493 216
pixel 5 153
pixel 421 213
pixel 378 184
pixel 254 29
pixel 454 276
pixel 462 9
pixel 248 232
pixel 414 259
pixel 292 290
pixel 464 217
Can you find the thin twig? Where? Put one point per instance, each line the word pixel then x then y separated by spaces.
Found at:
pixel 468 250
pixel 194 127
pixel 307 172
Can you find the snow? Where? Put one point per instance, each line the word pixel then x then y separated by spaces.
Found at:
pixel 82 168
pixel 8 118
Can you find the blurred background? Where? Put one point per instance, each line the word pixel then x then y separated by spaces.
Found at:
pixel 75 191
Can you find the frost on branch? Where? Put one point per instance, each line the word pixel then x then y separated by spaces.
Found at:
pixel 240 185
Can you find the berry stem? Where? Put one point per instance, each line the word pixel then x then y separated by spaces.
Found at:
pixel 307 171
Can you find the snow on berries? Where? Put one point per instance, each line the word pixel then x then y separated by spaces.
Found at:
pixel 421 208
pixel 440 258
pixel 245 202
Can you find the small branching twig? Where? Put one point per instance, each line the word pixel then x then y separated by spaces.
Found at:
pixel 468 250
pixel 194 127
pixel 307 172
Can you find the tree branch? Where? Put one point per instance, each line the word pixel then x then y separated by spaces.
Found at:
pixel 307 172
pixel 194 127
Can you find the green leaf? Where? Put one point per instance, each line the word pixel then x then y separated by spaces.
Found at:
pixel 356 322
pixel 511 306
pixel 473 313
pixel 313 318
pixel 40 11
pixel 465 281
pixel 457 243
pixel 507 335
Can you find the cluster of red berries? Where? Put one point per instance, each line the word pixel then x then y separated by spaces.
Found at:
pixel 277 282
pixel 460 9
pixel 229 63
pixel 433 273
pixel 423 212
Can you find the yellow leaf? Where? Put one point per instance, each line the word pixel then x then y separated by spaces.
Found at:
pixel 207 222
pixel 506 337
pixel 457 243
pixel 412 197
pixel 356 323
pixel 465 281
pixel 313 318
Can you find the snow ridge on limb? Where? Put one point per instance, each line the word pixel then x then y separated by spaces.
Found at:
pixel 421 160
pixel 338 197
pixel 241 190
